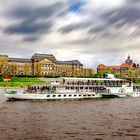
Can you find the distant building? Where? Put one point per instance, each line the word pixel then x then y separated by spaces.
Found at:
pixel 88 72
pixel 121 69
pixel 42 65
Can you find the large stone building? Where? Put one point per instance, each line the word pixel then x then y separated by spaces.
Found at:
pixel 124 69
pixel 42 65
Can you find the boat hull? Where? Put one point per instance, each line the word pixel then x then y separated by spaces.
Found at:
pixel 35 96
pixel 109 96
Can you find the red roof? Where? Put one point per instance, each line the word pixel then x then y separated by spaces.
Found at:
pixel 102 66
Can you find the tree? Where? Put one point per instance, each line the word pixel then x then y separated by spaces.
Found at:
pixel 3 65
pixel 135 73
pixel 26 69
pixel 130 73
pixel 37 69
pixel 5 70
pixel 117 75
pixel 102 73
pixel 13 69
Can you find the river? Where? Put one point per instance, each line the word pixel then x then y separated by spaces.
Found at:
pixel 94 119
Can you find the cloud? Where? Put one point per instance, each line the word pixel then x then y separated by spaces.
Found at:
pixel 31 39
pixel 96 29
pixel 133 1
pixel 33 11
pixel 76 26
pixel 19 12
pixel 127 15
pixel 93 31
pixel 22 28
pixel 33 20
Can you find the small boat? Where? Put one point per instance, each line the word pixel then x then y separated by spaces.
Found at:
pixel 75 88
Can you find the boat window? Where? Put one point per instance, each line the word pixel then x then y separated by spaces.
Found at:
pixel 79 94
pixel 70 95
pixel 74 95
pixel 93 95
pixel 59 95
pixel 89 95
pixel 72 87
pixel 54 95
pixel 48 95
pixel 64 95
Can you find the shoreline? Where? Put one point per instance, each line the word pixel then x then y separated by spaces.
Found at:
pixel 2 89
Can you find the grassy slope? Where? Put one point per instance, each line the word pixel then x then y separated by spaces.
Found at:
pixel 18 82
pixel 136 84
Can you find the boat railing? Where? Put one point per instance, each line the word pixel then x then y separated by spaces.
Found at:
pixel 90 85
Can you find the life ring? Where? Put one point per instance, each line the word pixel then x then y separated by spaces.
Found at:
pixel 122 90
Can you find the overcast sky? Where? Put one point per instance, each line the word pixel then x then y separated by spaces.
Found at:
pixel 92 31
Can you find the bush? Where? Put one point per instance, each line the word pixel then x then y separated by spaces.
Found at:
pixel 1 79
pixel 50 76
pixel 26 75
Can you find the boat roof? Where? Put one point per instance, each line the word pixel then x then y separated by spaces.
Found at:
pixel 38 85
pixel 94 79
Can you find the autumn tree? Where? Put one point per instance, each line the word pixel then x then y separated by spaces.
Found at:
pixel 37 69
pixel 4 69
pixel 102 73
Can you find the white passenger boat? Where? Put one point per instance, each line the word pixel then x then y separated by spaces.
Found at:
pixel 75 88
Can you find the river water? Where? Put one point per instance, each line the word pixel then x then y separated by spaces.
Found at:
pixel 94 119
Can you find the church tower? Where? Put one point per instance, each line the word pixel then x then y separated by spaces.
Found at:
pixel 128 60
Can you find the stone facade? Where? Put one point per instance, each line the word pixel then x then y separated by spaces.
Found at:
pixel 88 72
pixel 41 65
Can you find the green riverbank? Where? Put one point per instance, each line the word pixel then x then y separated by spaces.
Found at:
pixel 21 82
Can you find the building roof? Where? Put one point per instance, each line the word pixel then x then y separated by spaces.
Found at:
pixel 38 56
pixel 102 66
pixel 114 67
pixel 124 65
pixel 19 60
pixel 71 62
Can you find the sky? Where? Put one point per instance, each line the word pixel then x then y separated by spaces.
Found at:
pixel 92 31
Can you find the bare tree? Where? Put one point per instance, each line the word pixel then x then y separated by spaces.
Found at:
pixel 37 69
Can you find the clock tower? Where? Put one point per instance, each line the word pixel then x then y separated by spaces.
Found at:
pixel 128 60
